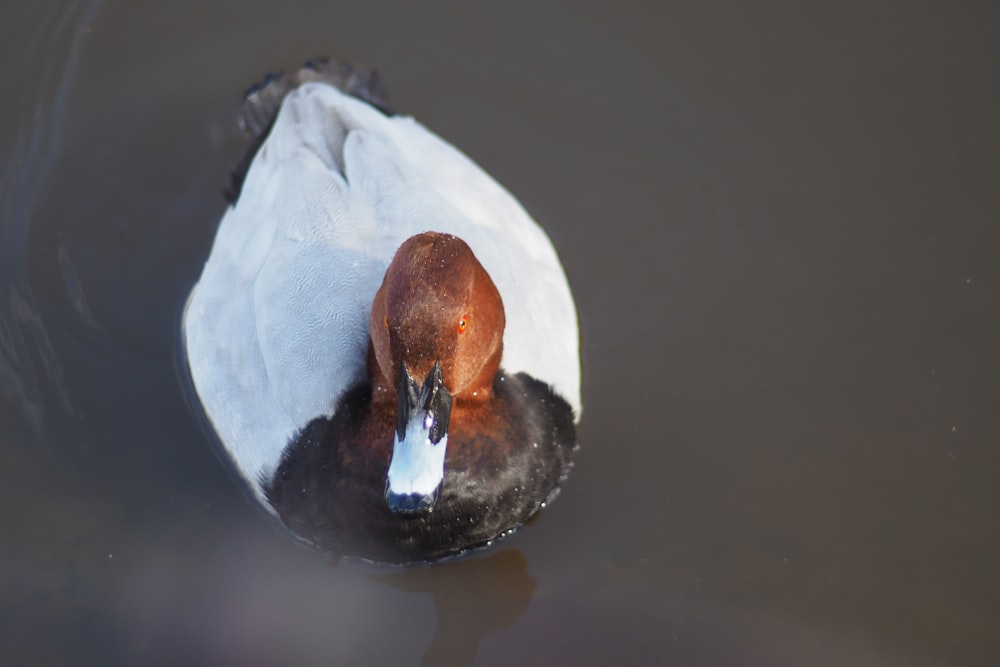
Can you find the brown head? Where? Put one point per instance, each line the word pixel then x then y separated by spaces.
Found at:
pixel 437 303
pixel 436 330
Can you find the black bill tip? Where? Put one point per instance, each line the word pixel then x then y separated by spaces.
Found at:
pixel 411 503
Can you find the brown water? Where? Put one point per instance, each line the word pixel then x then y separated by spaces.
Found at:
pixel 782 226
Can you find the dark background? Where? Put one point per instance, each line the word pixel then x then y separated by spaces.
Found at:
pixel 782 225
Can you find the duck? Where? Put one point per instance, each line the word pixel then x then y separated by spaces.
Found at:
pixel 383 340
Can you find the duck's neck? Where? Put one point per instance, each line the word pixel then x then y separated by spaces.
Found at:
pixel 480 390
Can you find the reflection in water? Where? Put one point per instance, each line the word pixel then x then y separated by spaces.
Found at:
pixel 249 597
pixel 473 598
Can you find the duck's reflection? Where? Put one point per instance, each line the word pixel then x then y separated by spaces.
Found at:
pixel 473 598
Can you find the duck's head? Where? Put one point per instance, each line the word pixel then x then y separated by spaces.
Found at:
pixel 436 329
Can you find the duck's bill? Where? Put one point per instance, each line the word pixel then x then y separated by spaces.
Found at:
pixel 417 466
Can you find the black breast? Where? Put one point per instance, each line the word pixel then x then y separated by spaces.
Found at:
pixel 330 486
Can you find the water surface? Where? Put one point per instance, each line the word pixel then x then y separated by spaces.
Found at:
pixel 782 228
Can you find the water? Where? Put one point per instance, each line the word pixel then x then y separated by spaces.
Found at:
pixel 781 225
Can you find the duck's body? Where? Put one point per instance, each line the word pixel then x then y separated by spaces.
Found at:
pixel 283 343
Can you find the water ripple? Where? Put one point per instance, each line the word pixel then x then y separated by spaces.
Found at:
pixel 30 369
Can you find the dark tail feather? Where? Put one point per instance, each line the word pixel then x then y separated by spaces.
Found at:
pixel 262 101
pixel 363 84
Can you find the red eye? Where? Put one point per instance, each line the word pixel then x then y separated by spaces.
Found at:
pixel 463 323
